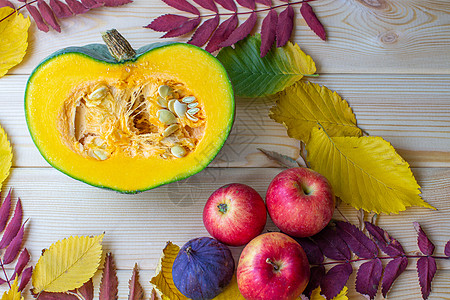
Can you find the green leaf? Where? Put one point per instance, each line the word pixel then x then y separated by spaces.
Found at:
pixel 253 76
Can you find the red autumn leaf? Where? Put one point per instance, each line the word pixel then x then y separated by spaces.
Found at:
pixel 5 211
pixel 335 280
pixel 424 243
pixel 14 247
pixel 426 268
pixel 228 4
pixel 385 242
pixel 91 3
pixel 204 31
pixel 22 261
pixel 268 32
pixel 250 4
pixel 241 32
pixel 358 242
pixel 208 4
pixel 109 283
pixel 76 7
pixel 368 277
pixel 265 2
pixel 167 22
pixel 26 276
pixel 60 9
pixel 392 270
pixel 316 275
pixel 312 20
pixel 222 33
pixel 4 3
pixel 13 226
pixel 47 15
pixel 447 249
pixel 312 251
pixel 183 29
pixel 332 245
pixel 182 5
pixel 136 290
pixel 87 290
pixel 113 3
pixel 285 26
pixel 2 281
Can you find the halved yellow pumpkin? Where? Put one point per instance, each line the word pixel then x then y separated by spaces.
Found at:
pixel 157 116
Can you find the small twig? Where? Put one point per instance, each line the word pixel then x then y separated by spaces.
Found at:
pixel 6 275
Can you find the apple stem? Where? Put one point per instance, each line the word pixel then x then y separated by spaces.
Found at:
pixel 274 265
pixel 223 208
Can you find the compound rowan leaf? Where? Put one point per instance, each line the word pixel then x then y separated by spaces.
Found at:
pixel 47 15
pixel 385 242
pixel 228 4
pixel 241 31
pixel 14 247
pixel 316 275
pixel 250 4
pixel 208 4
pixel 222 33
pixel 312 20
pixel 392 270
pixel 109 284
pixel 447 249
pixel 332 245
pixel 365 172
pixel 67 264
pixel 253 76
pixel 113 3
pixel 303 105
pixel 368 277
pixel 184 28
pixel 335 280
pixel 424 243
pixel 284 26
pixel 426 269
pixel 204 31
pixel 77 7
pixel 13 226
pixel 5 209
pixel 13 293
pixel 4 3
pixel 167 22
pixel 312 250
pixel 268 32
pixel 357 241
pixel 341 296
pixel 135 288
pixel 60 9
pixel 183 5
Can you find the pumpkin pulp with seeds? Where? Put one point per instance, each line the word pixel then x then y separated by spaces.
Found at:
pixel 129 126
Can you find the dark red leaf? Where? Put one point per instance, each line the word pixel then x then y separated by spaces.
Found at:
pixel 358 242
pixel 22 261
pixel 250 4
pixel 167 22
pixel 87 290
pixel 332 245
pixel 424 243
pixel 208 4
pixel 2 281
pixel 426 268
pixel 183 5
pixel 109 283
pixel 183 29
pixel 14 247
pixel 241 32
pixel 60 9
pixel 268 32
pixel 76 7
pixel 385 242
pixel 392 270
pixel 317 274
pixel 228 4
pixel 135 288
pixel 113 3
pixel 14 225
pixel 26 275
pixel 312 20
pixel 5 211
pixel 204 31
pixel 265 2
pixel 222 33
pixel 91 3
pixel 47 14
pixel 368 277
pixel 54 296
pixel 313 252
pixel 335 280
pixel 447 249
pixel 285 25
pixel 4 3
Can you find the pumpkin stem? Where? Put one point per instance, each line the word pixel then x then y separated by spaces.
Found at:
pixel 118 46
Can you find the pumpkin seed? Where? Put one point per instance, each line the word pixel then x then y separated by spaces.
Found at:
pixel 179 108
pixel 98 94
pixel 178 151
pixel 100 154
pixel 192 118
pixel 171 129
pixel 193 111
pixel 162 102
pixel 193 104
pixel 188 99
pixel 99 142
pixel 166 117
pixel 170 105
pixel 164 90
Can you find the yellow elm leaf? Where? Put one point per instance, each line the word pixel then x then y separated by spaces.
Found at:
pixel 303 105
pixel 365 172
pixel 5 156
pixel 341 296
pixel 67 264
pixel 163 281
pixel 231 292
pixel 13 293
pixel 13 38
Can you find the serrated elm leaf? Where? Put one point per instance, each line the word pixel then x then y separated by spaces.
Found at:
pixel 76 7
pixel 167 22
pixel 265 2
pixel 13 249
pixel 385 242
pixel 208 4
pixel 316 275
pixel 426 268
pixel 332 245
pixel 37 18
pixel 250 4
pixel 183 29
pixel 13 226
pixel 182 5
pixel 222 33
pixel 87 290
pixel 335 279
pixel 109 283
pixel 60 9
pixel 228 4
pixel 424 243
pixel 113 3
pixel 22 261
pixel 312 250
pixel 368 277
pixel 5 211
pixel 284 26
pixel 135 288
pixel 91 3
pixel 4 3
pixel 268 32
pixel 204 31
pixel 312 21
pixel 358 242
pixel 26 276
pixel 241 32
pixel 447 249
pixel 391 272
pixel 47 15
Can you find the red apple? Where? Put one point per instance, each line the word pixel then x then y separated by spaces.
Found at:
pixel 234 214
pixel 272 266
pixel 300 202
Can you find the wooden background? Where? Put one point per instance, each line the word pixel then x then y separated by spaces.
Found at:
pixel 389 59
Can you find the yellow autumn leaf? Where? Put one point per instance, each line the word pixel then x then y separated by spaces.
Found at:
pixel 67 264
pixel 302 106
pixel 365 172
pixel 13 38
pixel 231 292
pixel 315 295
pixel 13 293
pixel 5 156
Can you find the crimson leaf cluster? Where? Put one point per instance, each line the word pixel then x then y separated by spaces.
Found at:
pixel 274 27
